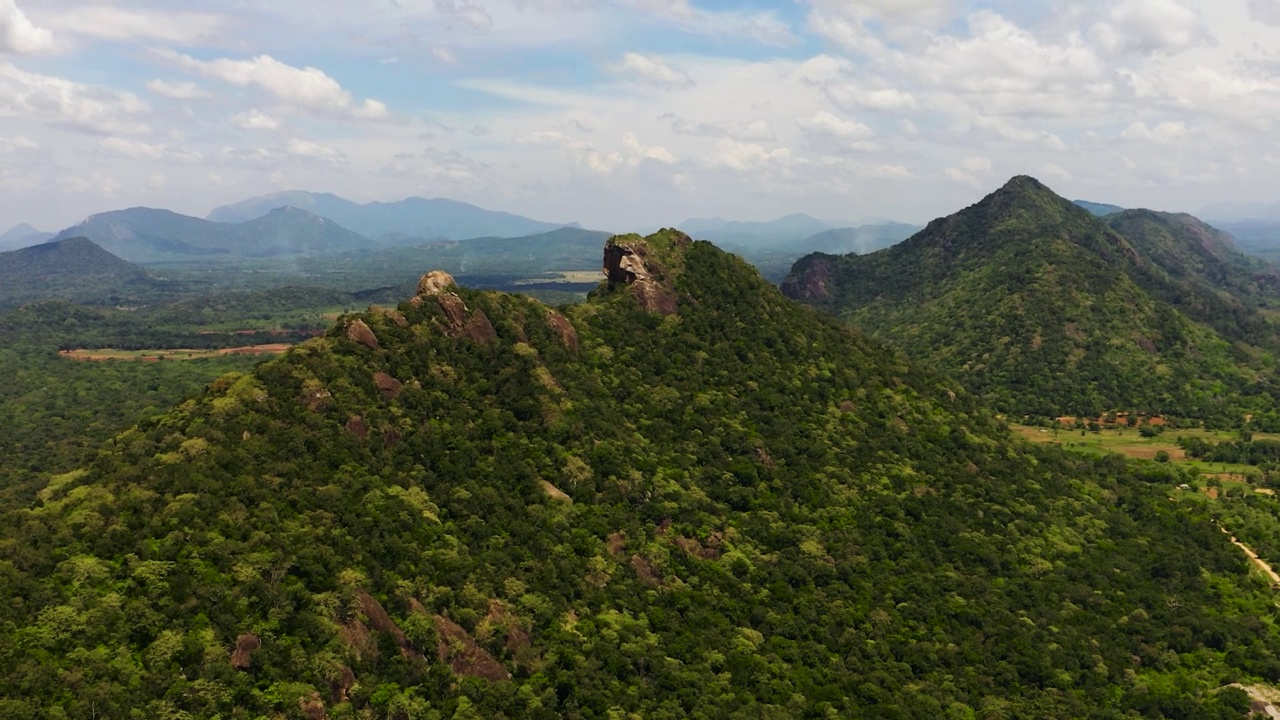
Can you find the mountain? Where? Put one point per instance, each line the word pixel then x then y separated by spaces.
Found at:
pixel 687 497
pixel 1045 310
pixel 22 235
pixel 783 231
pixel 412 217
pixel 1197 269
pixel 147 235
pixel 74 268
pixel 775 261
pixel 1099 209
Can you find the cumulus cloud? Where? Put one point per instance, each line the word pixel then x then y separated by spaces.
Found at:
pixel 18 34
pixel 763 27
pixel 736 129
pixel 652 70
pixel 1266 11
pixel 117 24
pixel 67 104
pixel 308 88
pixel 465 13
pixel 828 130
pixel 1165 133
pixel 177 90
pixel 1150 26
pixel 743 157
pixel 139 150
pixel 256 120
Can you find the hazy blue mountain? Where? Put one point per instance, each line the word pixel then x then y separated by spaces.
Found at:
pixel 146 235
pixel 73 269
pixel 861 240
pixel 1259 238
pixel 1234 212
pixel 750 234
pixel 22 235
pixel 1098 209
pixel 413 217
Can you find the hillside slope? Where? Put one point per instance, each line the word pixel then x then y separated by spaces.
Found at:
pixel 688 497
pixel 74 268
pixel 1043 309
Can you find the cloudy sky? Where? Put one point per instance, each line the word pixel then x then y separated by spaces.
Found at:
pixel 625 113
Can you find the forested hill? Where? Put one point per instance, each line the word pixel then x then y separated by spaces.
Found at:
pixel 687 497
pixel 74 268
pixel 1044 309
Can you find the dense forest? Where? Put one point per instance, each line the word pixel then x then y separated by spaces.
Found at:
pixel 1045 310
pixel 687 497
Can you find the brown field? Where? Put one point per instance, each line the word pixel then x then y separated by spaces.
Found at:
pixel 101 355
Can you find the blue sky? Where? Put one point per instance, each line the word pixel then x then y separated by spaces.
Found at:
pixel 631 113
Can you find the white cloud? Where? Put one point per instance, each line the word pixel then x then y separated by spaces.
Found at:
pixel 960 177
pixel 742 157
pixel 465 13
pixel 825 129
pixel 316 151
pixel 763 27
pixel 16 144
pixel 118 24
pixel 63 103
pixel 736 129
pixel 18 34
pixel 255 120
pixel 652 70
pixel 1150 26
pixel 138 150
pixel 1163 134
pixel 177 90
pixel 1266 11
pixel 306 88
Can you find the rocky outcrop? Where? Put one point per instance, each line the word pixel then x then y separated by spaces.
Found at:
pixel 436 282
pixel 342 685
pixel 565 329
pixel 632 261
pixel 357 427
pixel 388 386
pixel 459 320
pixel 313 707
pixel 382 622
pixel 245 645
pixel 457 648
pixel 813 284
pixel 359 332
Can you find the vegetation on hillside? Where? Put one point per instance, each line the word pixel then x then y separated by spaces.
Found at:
pixel 728 506
pixel 1045 310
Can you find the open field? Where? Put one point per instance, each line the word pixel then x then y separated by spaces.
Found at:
pixel 565 277
pixel 1128 442
pixel 104 354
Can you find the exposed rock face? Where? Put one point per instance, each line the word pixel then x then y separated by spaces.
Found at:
pixel 387 385
pixel 632 262
pixel 460 650
pixel 811 285
pixel 644 571
pixel 313 707
pixel 479 330
pixel 245 645
pixel 357 427
pixel 435 282
pixel 455 311
pixel 381 621
pixel 359 332
pixel 342 685
pixel 565 329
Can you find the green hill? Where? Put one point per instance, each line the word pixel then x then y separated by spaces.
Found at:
pixel 1043 309
pixel 74 268
pixel 687 497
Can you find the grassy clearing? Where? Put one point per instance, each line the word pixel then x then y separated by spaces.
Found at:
pixel 155 355
pixel 1128 442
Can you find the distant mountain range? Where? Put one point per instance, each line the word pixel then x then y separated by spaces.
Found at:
pixel 749 234
pixel 413 217
pixel 22 235
pixel 1098 209
pixel 1232 212
pixel 145 235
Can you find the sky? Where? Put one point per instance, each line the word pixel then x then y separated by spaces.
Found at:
pixel 622 114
